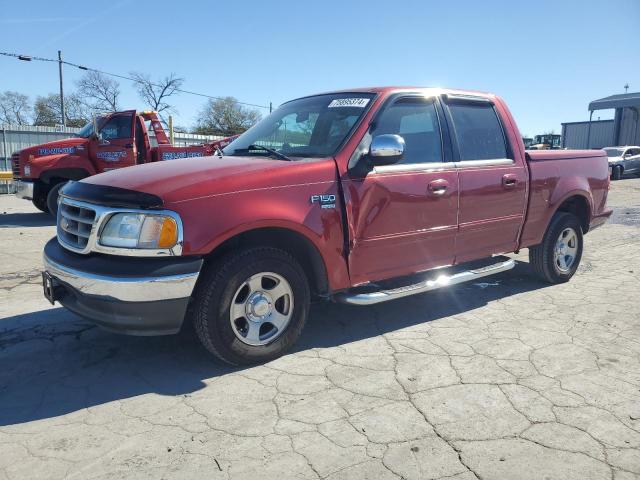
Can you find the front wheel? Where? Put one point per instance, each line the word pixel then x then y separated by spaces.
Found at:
pixel 52 198
pixel 557 258
pixel 251 306
pixel 40 202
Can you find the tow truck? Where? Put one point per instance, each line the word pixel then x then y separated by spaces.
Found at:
pixel 108 142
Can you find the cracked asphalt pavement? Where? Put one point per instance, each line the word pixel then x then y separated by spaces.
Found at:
pixel 505 379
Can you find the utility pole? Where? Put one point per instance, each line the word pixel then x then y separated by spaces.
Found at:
pixel 62 112
pixel 626 88
pixel 270 107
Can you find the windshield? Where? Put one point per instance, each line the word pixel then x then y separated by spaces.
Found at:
pixel 308 127
pixel 614 152
pixel 87 130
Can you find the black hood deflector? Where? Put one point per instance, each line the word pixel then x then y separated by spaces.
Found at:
pixel 110 196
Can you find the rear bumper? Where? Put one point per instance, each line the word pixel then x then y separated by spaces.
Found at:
pixel 135 296
pixel 24 189
pixel 600 219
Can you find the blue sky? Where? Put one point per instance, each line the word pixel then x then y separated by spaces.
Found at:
pixel 547 58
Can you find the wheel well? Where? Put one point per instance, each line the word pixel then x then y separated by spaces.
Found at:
pixel 58 175
pixel 578 206
pixel 292 242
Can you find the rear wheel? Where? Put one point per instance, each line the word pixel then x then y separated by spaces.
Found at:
pixel 557 258
pixel 616 174
pixel 251 306
pixel 52 198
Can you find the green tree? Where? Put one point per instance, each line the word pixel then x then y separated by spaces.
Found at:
pixel 225 116
pixel 47 111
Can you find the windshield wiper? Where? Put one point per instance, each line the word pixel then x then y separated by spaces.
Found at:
pixel 253 146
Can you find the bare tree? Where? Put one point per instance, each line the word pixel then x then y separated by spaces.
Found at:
pixel 225 116
pixel 47 110
pixel 156 93
pixel 99 92
pixel 15 108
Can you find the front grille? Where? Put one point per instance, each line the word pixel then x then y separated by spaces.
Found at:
pixel 15 165
pixel 75 224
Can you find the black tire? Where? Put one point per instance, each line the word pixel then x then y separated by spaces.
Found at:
pixel 219 283
pixel 542 258
pixel 52 198
pixel 40 202
pixel 616 173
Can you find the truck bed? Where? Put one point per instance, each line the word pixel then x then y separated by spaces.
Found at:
pixel 557 175
pixel 547 155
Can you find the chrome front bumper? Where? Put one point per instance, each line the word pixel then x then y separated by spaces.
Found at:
pixel 124 289
pixel 24 189
pixel 136 296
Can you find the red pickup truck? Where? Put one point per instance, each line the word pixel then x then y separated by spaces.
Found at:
pixel 114 140
pixel 358 196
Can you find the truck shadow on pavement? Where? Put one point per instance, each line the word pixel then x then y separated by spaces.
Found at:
pixel 26 220
pixel 54 363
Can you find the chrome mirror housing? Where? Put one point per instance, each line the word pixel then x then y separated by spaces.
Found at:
pixel 386 149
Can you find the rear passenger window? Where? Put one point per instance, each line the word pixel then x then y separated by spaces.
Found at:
pixel 415 120
pixel 478 130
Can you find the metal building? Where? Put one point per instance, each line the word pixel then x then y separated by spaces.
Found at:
pixel 575 134
pixel 626 120
pixel 624 129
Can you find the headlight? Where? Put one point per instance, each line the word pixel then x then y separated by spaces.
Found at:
pixel 139 230
pixel 27 170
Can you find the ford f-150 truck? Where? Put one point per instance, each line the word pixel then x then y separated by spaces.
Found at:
pixel 358 196
pixel 121 140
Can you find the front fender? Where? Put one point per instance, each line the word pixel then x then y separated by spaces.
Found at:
pixel 209 222
pixel 45 167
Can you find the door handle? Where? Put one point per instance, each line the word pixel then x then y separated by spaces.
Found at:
pixel 437 187
pixel 509 180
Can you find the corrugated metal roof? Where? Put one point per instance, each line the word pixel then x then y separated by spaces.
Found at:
pixel 616 101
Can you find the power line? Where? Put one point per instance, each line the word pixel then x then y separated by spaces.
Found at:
pixel 29 58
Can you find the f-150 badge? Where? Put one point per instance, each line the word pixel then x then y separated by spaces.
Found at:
pixel 325 201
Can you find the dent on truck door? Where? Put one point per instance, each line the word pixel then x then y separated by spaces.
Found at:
pixel 403 217
pixel 493 185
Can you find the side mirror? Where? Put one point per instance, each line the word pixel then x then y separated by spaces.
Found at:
pixel 386 149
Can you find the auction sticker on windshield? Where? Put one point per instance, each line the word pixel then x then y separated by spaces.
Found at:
pixel 349 102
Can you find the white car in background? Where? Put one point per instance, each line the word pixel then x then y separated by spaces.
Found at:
pixel 623 160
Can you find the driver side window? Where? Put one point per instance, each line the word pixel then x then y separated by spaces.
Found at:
pixel 414 119
pixel 117 127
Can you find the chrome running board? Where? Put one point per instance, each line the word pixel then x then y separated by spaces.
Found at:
pixel 433 283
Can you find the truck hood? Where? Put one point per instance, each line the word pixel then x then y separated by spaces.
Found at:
pixel 176 181
pixel 58 147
